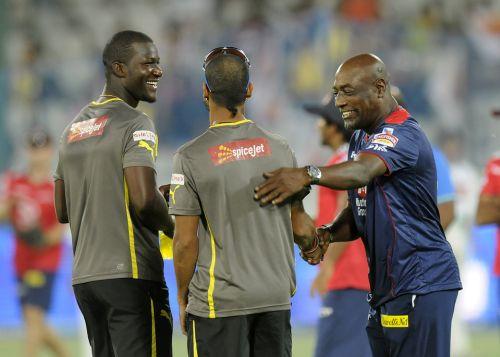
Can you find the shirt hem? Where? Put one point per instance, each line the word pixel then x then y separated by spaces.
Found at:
pixel 240 312
pixel 106 276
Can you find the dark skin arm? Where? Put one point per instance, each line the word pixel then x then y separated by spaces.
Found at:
pixel 60 202
pixel 147 200
pixel 342 229
pixel 446 213
pixel 488 210
pixel 185 258
pixel 285 182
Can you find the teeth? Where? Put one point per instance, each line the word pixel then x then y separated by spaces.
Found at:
pixel 346 114
pixel 154 84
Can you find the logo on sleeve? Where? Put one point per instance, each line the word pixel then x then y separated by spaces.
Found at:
pixel 177 179
pixel 239 150
pixel 87 129
pixel 385 138
pixel 144 135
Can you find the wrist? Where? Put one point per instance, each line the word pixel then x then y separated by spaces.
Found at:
pixel 313 173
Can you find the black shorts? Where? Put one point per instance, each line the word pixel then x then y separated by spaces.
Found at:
pixel 126 317
pixel 266 334
pixel 35 288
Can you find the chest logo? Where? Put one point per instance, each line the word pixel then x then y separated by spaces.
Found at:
pixel 239 150
pixel 361 201
pixel 86 129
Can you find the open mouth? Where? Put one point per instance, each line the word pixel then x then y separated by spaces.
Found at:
pixel 152 84
pixel 348 114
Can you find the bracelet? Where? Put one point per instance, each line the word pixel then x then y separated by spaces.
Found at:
pixel 315 246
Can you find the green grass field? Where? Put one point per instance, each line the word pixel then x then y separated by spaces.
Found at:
pixel 484 343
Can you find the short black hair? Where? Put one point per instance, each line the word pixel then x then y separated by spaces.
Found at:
pixel 119 47
pixel 227 78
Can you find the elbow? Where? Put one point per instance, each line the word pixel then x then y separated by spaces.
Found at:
pixel 144 206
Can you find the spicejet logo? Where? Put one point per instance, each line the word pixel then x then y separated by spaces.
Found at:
pixel 87 129
pixel 239 150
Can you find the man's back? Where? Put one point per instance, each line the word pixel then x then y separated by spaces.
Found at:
pixel 245 261
pixel 108 239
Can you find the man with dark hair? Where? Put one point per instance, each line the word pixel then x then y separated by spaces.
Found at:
pixel 234 261
pixel 391 183
pixel 26 201
pixel 106 190
pixel 342 279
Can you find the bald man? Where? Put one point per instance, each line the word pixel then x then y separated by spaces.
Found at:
pixel 391 183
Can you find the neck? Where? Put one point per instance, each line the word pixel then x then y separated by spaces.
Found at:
pixel 389 106
pixel 218 115
pixel 39 173
pixel 112 90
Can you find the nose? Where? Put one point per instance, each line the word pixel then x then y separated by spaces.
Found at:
pixel 340 101
pixel 157 72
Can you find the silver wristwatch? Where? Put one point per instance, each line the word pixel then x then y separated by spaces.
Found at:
pixel 314 173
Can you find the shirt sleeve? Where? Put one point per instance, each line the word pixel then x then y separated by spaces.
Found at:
pixel 184 200
pixel 141 144
pixel 445 187
pixel 396 146
pixel 491 186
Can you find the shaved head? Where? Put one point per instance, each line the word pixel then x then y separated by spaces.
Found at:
pixel 362 91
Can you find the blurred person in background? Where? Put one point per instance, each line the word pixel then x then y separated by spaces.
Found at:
pixel 27 202
pixel 234 261
pixel 105 187
pixel 342 279
pixel 488 208
pixel 392 206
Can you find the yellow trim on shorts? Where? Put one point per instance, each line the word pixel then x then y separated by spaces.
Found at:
pixel 153 330
pixel 116 99
pixel 195 346
pixel 232 123
pixel 131 238
pixel 211 284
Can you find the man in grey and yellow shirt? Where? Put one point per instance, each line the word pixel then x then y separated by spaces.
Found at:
pixel 233 259
pixel 106 190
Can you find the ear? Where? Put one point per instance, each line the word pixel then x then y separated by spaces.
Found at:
pixel 119 69
pixel 249 90
pixel 381 86
pixel 206 92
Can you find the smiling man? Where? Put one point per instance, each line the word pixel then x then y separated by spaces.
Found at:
pixel 106 190
pixel 391 183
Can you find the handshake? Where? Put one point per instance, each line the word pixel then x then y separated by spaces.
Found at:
pixel 314 254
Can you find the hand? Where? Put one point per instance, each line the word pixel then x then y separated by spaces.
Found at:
pixel 182 314
pixel 320 282
pixel 281 184
pixel 324 234
pixel 314 255
pixel 165 191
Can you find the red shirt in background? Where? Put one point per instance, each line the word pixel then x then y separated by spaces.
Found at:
pixel 491 187
pixel 33 204
pixel 351 269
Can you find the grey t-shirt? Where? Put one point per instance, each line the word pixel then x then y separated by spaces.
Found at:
pixel 246 259
pixel 108 239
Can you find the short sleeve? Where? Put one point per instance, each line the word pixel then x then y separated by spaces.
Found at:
pixel 141 144
pixel 491 186
pixel 58 174
pixel 445 188
pixel 184 200
pixel 396 146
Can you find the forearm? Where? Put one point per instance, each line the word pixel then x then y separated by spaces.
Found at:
pixel 304 231
pixel 155 215
pixel 446 213
pixel 488 210
pixel 53 235
pixel 185 258
pixel 343 229
pixel 344 176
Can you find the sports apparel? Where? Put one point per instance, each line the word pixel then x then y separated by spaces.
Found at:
pixel 126 317
pixel 351 269
pixel 397 216
pixel 445 187
pixel 413 325
pixel 109 240
pixel 245 259
pixel 271 335
pixel 491 187
pixel 34 288
pixel 342 323
pixel 32 210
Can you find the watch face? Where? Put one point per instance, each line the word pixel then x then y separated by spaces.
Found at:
pixel 314 173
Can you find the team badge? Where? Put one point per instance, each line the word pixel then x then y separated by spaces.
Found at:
pixel 87 129
pixel 239 150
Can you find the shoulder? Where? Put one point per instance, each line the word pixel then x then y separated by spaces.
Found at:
pixel 193 145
